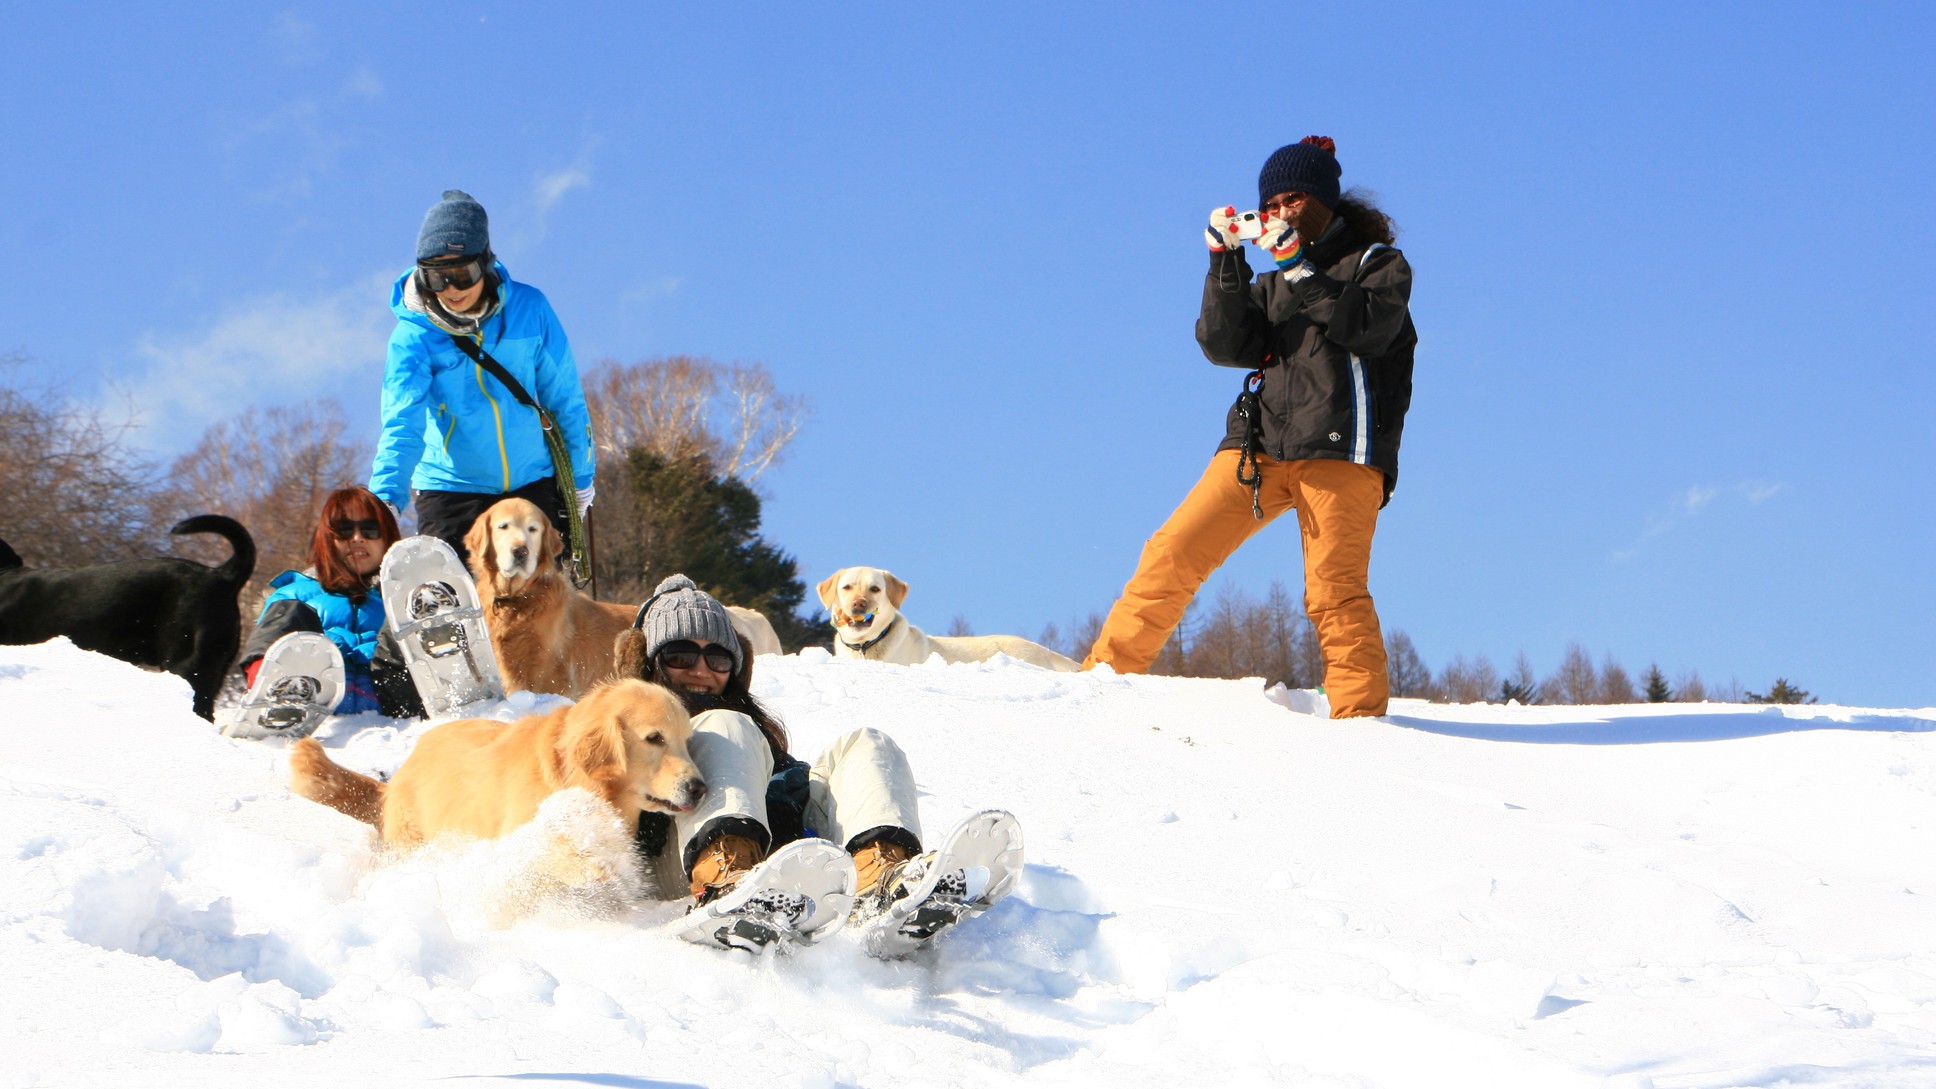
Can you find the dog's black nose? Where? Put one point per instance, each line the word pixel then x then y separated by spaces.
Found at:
pixel 691 790
pixel 520 553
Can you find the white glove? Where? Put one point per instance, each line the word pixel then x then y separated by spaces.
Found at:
pixel 1285 248
pixel 1221 234
pixel 395 513
pixel 585 497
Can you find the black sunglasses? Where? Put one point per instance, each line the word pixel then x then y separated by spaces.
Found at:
pixel 459 276
pixel 685 654
pixel 368 528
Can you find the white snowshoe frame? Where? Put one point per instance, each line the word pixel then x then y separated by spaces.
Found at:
pixel 802 893
pixel 976 865
pixel 433 606
pixel 298 685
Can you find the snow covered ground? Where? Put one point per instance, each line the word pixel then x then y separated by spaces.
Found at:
pixel 1222 890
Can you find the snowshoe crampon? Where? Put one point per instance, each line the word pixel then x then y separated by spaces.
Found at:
pixel 799 895
pixel 433 606
pixel 976 865
pixel 298 685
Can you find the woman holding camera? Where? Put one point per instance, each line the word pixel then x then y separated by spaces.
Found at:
pixel 1327 337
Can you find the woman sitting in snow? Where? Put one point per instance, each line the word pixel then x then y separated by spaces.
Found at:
pixel 336 595
pixel 859 794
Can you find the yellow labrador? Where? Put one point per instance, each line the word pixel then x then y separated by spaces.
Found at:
pixel 866 606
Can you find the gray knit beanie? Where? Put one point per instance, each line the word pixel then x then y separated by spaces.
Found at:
pixel 455 226
pixel 679 610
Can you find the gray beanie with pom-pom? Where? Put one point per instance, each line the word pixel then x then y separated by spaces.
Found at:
pixel 679 610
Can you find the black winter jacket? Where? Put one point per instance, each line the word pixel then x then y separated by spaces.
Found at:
pixel 1335 350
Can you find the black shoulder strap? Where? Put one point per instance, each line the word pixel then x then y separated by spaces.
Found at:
pixel 476 351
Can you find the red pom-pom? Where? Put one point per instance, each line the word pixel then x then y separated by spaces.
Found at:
pixel 1324 142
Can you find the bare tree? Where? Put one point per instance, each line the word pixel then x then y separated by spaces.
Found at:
pixel 684 406
pixel 1294 655
pixel 960 626
pixel 1222 648
pixel 1689 689
pixel 1575 682
pixel 1615 685
pixel 1406 671
pixel 1081 636
pixel 77 493
pixel 269 470
pixel 1463 682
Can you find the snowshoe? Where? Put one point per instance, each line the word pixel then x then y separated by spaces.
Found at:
pixel 974 867
pixel 432 605
pixel 298 685
pixel 800 894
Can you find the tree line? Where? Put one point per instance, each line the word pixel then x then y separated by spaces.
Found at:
pixel 1234 634
pixel 680 444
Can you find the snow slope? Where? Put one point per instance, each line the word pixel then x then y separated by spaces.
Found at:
pixel 1222 890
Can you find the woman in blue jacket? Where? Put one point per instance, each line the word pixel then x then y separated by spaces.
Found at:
pixel 451 431
pixel 336 595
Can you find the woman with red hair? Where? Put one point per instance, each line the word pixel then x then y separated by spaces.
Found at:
pixel 336 595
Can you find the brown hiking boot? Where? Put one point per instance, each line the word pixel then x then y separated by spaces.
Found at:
pixel 874 861
pixel 721 864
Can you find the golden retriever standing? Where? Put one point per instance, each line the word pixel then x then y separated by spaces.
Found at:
pixel 548 636
pixel 624 742
pixel 865 603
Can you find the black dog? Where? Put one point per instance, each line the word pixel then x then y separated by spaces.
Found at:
pixel 166 613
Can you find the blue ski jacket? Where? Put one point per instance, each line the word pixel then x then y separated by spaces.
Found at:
pixel 449 426
pixel 297 602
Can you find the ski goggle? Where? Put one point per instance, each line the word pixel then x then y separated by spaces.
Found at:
pixel 368 528
pixel 685 654
pixel 459 276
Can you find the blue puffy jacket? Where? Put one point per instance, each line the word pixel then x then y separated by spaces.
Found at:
pixel 449 426
pixel 297 602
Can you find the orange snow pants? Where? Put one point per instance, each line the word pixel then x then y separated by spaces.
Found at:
pixel 1337 511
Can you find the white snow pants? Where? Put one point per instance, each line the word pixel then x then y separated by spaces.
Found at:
pixel 861 782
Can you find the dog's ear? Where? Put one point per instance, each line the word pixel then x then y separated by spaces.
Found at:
pixel 827 588
pixel 594 739
pixel 896 589
pixel 628 655
pixel 554 545
pixel 478 543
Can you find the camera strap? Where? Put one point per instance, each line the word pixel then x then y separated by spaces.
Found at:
pixel 1250 409
pixel 580 566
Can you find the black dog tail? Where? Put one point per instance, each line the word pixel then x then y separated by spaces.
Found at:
pixel 239 566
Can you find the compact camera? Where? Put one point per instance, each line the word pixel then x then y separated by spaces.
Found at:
pixel 1248 224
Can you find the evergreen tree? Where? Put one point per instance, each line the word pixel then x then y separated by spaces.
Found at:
pixel 1657 690
pixel 1782 692
pixel 679 515
pixel 1521 685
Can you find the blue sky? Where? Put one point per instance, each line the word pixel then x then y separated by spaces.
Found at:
pixel 1673 387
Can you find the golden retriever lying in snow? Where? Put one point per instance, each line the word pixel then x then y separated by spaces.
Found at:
pixel 624 742
pixel 865 603
pixel 548 636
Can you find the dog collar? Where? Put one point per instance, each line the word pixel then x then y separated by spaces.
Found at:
pixel 862 647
